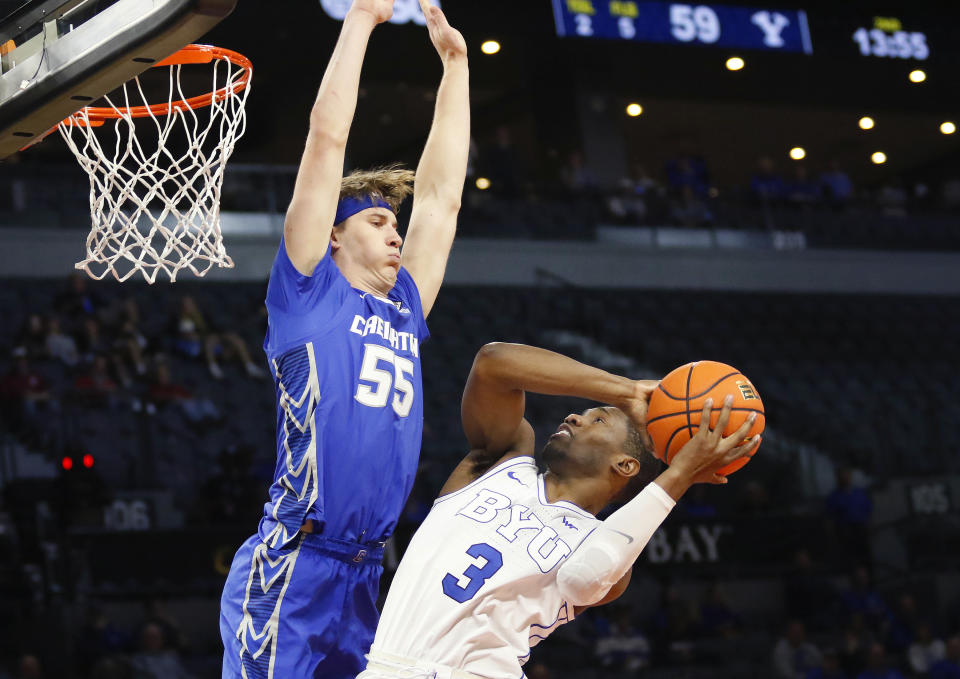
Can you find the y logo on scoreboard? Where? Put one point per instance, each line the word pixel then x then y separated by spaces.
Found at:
pixel 772 25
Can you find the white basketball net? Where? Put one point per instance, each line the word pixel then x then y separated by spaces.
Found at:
pixel 154 209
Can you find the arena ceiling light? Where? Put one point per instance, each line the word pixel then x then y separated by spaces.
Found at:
pixel 634 109
pixel 735 64
pixel 866 123
pixel 947 127
pixel 798 153
pixel 917 76
pixel 878 158
pixel 490 47
pixel 483 183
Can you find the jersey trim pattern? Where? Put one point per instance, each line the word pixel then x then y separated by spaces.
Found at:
pixel 261 609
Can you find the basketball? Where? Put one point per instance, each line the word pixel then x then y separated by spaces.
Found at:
pixel 677 404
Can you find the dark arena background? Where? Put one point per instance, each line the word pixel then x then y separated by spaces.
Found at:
pixel 633 200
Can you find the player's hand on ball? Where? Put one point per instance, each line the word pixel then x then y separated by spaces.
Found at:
pixel 445 38
pixel 636 406
pixel 709 450
pixel 380 10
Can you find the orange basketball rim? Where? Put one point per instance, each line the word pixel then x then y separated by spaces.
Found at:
pixel 191 54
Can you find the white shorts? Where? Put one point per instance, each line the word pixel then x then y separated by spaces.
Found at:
pixel 386 666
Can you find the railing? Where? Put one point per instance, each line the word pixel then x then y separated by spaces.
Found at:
pixel 57 196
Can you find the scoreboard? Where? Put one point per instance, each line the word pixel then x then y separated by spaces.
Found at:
pixel 847 32
pixel 682 23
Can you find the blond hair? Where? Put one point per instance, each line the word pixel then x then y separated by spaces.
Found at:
pixel 393 183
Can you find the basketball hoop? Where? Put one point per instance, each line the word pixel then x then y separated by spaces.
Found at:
pixel 154 209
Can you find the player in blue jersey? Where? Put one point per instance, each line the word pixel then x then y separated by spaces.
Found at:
pixel 347 317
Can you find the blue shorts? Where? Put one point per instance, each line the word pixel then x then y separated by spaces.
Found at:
pixel 307 610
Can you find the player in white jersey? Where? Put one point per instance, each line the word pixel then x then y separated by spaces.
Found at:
pixel 506 554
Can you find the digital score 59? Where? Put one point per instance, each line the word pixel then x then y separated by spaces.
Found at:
pixel 684 23
pixel 886 38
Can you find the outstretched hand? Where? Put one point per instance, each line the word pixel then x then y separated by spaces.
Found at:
pixel 709 450
pixel 380 10
pixel 447 40
pixel 636 407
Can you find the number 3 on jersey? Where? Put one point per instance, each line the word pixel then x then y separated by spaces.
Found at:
pixel 477 574
pixel 376 396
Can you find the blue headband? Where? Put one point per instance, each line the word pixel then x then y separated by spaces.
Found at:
pixel 348 207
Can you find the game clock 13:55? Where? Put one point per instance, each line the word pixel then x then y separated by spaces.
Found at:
pixel 886 38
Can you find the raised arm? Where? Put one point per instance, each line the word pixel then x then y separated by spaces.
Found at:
pixel 312 209
pixel 443 166
pixel 493 400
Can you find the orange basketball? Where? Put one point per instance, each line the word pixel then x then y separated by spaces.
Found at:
pixel 676 406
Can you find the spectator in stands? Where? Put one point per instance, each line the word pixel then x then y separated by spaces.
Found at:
pixel 155 613
pixel 926 650
pixel 892 198
pixel 878 667
pixel 76 302
pixel 949 666
pixel 95 387
pixel 901 624
pixel 195 337
pixel 627 206
pixel 829 667
pixel 856 640
pixel 837 187
pixel 155 660
pixel 576 175
pixel 621 648
pixel 793 655
pixel 93 344
pixel 26 397
pixel 640 199
pixel 688 171
pixel 32 337
pixel 802 190
pixel 862 598
pixel 848 510
pixel 766 184
pixel 60 345
pixel 164 392
pixel 98 637
pixel 130 342
pixel 689 186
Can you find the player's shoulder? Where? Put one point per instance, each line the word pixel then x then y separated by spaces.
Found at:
pixel 405 289
pixel 520 468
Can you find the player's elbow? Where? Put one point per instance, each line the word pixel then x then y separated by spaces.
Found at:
pixel 442 201
pixel 580 585
pixel 325 133
pixel 490 356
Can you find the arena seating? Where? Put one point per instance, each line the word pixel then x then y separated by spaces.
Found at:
pixel 867 380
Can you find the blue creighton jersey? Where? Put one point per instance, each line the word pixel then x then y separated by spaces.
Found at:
pixel 349 402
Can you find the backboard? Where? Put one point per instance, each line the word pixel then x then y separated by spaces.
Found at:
pixel 57 56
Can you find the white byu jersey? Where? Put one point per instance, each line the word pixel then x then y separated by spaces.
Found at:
pixel 477 587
